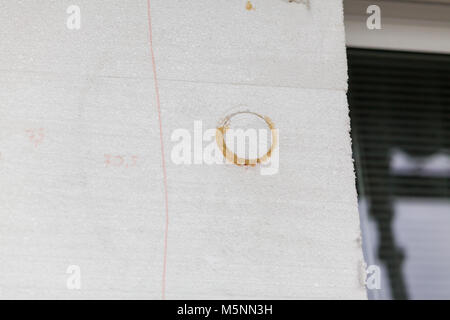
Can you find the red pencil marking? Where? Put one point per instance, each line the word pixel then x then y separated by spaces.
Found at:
pixel 35 135
pixel 119 161
pixel 163 159
pixel 107 159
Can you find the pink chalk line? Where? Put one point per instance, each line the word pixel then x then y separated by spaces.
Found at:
pixel 158 105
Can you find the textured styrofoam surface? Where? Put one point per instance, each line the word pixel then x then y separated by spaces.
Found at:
pixel 233 233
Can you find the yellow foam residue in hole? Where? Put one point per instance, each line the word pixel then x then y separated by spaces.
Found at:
pixel 249 6
pixel 230 155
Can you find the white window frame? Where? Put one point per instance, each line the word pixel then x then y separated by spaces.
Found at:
pixel 407 25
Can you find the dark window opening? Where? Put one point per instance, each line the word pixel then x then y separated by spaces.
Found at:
pixel 400 113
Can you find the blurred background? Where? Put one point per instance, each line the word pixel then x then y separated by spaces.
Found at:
pixel 399 98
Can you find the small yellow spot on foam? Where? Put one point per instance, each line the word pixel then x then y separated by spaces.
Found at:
pixel 249 6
